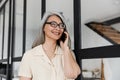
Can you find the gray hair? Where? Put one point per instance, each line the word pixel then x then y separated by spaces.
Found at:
pixel 41 37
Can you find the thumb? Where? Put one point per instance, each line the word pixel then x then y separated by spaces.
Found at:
pixel 61 44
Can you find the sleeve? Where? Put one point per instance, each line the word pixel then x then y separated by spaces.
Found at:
pixel 24 69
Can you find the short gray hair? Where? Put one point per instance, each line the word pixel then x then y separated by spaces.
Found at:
pixel 41 37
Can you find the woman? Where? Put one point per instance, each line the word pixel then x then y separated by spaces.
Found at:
pixel 51 57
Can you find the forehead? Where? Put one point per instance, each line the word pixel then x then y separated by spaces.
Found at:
pixel 54 18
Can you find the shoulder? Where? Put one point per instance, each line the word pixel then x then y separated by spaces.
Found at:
pixel 30 53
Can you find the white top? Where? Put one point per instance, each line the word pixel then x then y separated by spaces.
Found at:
pixel 36 65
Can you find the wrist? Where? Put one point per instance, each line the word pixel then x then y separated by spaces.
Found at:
pixel 66 49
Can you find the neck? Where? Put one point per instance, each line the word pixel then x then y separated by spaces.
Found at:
pixel 50 45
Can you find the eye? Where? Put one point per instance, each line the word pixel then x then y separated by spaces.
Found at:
pixel 54 24
pixel 62 25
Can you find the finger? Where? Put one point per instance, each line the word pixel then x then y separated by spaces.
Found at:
pixel 61 43
pixel 66 33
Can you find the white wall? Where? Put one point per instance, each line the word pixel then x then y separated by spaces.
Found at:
pixel 33 21
pixel 111 68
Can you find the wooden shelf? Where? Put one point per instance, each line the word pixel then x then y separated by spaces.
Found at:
pixel 107 32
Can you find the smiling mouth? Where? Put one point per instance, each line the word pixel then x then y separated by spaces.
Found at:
pixel 56 33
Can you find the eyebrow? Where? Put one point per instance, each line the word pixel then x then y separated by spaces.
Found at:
pixel 54 21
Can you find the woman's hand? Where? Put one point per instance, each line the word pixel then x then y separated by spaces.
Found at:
pixel 71 68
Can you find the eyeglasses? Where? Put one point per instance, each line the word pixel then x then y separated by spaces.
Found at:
pixel 54 24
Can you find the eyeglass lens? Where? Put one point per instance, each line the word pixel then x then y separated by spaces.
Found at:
pixel 54 24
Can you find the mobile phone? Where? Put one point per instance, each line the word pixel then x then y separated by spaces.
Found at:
pixel 63 37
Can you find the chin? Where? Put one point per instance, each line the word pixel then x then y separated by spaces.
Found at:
pixel 56 39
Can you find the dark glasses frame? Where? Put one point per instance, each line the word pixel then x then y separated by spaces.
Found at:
pixel 55 24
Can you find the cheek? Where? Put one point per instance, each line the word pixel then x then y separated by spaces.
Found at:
pixel 62 30
pixel 46 29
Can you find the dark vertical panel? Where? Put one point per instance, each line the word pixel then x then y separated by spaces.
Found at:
pixel 24 24
pixel 43 7
pixel 13 29
pixel 77 25
pixel 9 41
pixel 77 31
pixel 12 40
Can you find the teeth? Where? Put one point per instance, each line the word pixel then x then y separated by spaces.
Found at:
pixel 56 33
